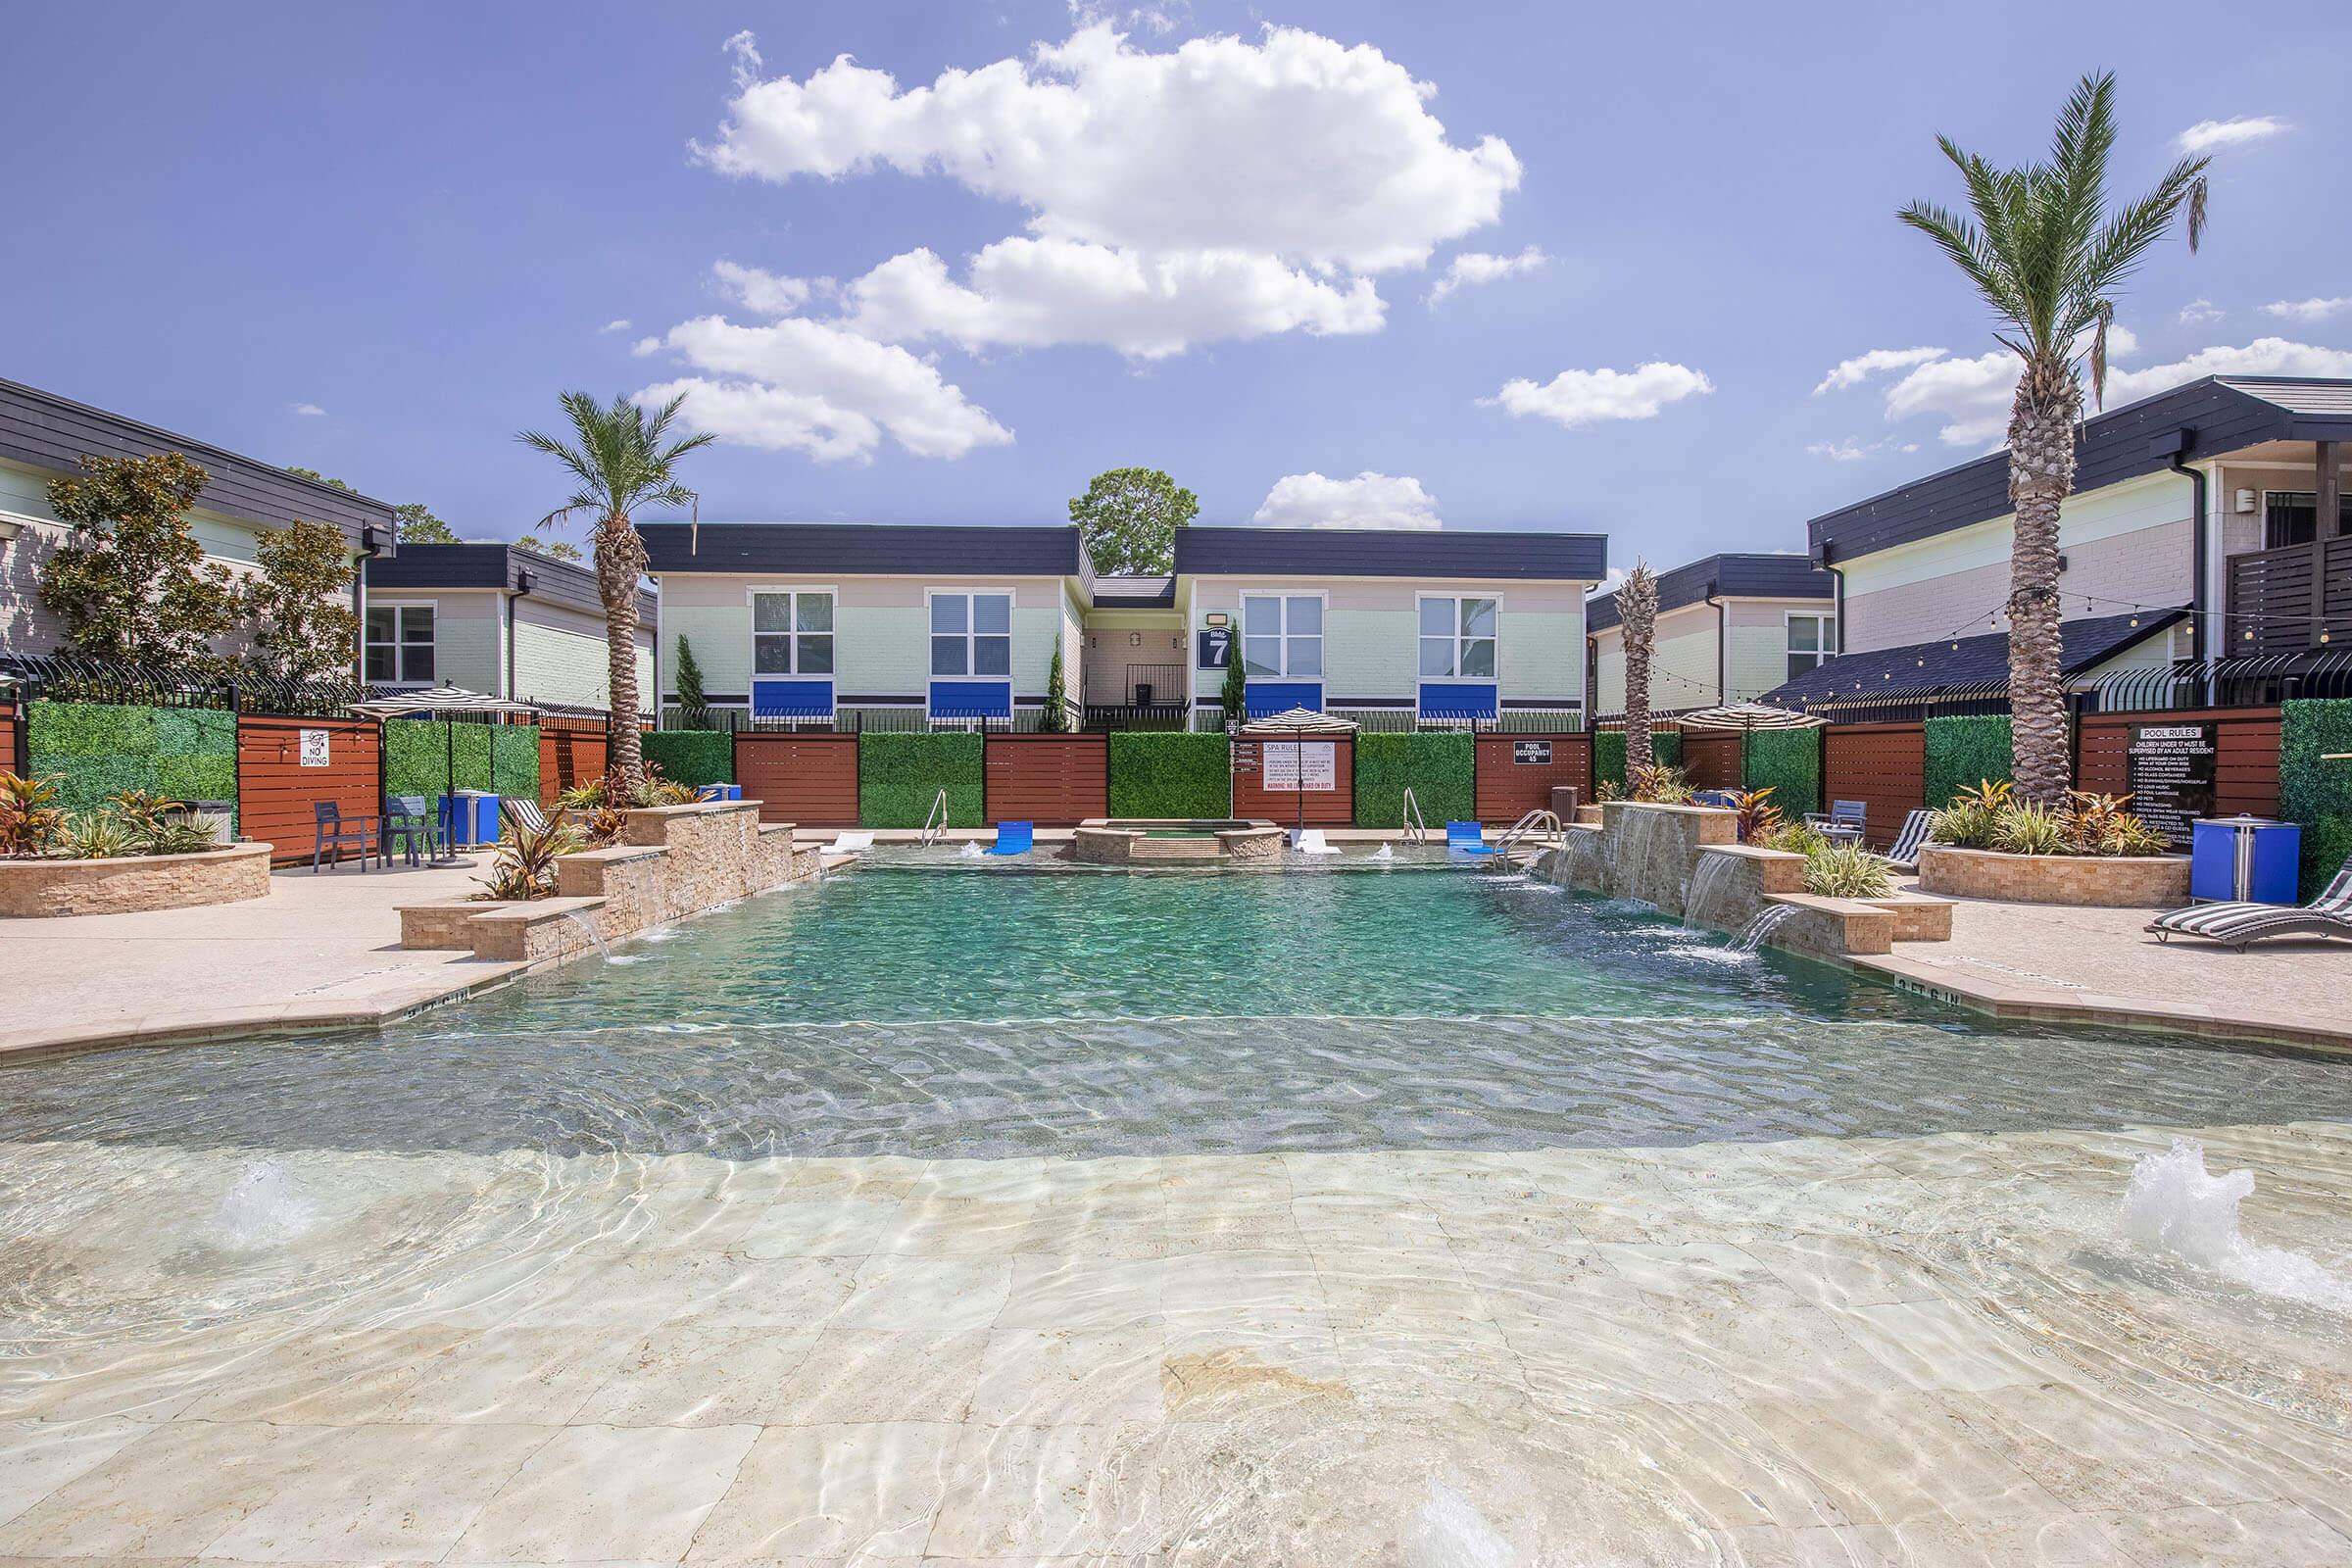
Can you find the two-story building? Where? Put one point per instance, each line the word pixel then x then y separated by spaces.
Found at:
pixel 2208 523
pixel 495 619
pixel 808 622
pixel 44 437
pixel 1730 628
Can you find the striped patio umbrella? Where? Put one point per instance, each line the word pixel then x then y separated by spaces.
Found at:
pixel 1748 716
pixel 1297 724
pixel 445 702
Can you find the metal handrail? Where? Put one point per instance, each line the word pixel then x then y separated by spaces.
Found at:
pixel 1530 824
pixel 935 820
pixel 1416 831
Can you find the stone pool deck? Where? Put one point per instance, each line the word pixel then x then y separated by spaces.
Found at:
pixel 1931 1351
pixel 2067 964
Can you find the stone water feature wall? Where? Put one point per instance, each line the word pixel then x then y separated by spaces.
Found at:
pixel 672 861
pixel 1687 861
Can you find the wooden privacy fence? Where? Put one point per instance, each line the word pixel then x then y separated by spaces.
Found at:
pixel 285 766
pixel 1711 758
pixel 11 757
pixel 2245 759
pixel 1328 799
pixel 1054 780
pixel 1883 765
pixel 1516 773
pixel 811 779
pixel 570 757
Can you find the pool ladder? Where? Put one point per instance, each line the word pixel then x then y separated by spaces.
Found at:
pixel 1416 831
pixel 935 820
pixel 1537 824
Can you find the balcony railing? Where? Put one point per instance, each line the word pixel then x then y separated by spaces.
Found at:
pixel 2283 601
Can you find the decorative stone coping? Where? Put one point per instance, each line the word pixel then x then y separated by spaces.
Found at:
pixel 133 884
pixel 1097 843
pixel 2101 881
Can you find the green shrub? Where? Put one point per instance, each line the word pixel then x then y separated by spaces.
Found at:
pixel 419 754
pixel 196 778
pixel 515 761
pixel 899 776
pixel 1961 751
pixel 1608 754
pixel 2316 794
pixel 692 756
pixel 1787 762
pixel 195 732
pixel 91 729
pixel 1440 769
pixel 1170 773
pixel 1846 871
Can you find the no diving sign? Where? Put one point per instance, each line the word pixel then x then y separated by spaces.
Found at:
pixel 314 748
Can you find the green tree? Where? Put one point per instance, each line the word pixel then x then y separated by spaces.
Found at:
pixel 130 581
pixel 693 706
pixel 418 526
pixel 1638 618
pixel 555 548
pixel 1129 517
pixel 295 608
pixel 1236 694
pixel 1056 717
pixel 621 458
pixel 2046 254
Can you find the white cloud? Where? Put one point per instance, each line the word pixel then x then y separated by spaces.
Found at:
pixel 763 293
pixel 810 386
pixel 1479 266
pixel 1853 448
pixel 2265 356
pixel 310 410
pixel 1031 293
pixel 1583 397
pixel 2207 135
pixel 1862 367
pixel 2311 309
pixel 619 323
pixel 1291 146
pixel 2200 312
pixel 1368 501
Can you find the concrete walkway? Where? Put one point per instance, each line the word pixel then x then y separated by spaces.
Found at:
pixel 2053 962
pixel 323 950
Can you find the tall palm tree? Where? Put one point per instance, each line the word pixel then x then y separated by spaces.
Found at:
pixel 623 460
pixel 1637 620
pixel 2046 254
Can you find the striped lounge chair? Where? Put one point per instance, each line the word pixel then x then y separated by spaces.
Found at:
pixel 1905 857
pixel 522 814
pixel 2234 925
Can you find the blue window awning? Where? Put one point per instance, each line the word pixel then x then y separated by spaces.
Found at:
pixel 971 699
pixel 1266 698
pixel 772 698
pixel 1453 699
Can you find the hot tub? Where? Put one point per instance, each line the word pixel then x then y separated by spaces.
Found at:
pixel 1175 841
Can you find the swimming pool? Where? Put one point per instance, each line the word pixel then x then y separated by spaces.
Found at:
pixel 1266 1218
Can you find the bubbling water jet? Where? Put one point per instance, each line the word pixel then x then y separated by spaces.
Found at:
pixel 2173 1205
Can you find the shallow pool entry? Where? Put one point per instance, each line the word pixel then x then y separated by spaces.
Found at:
pixel 1389 1215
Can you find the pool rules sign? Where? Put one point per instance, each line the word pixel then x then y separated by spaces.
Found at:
pixel 2170 770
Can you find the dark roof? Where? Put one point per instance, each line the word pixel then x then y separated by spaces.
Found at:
pixel 1982 661
pixel 865 548
pixel 1392 552
pixel 1730 576
pixel 1135 593
pixel 495 566
pixel 46 431
pixel 2206 418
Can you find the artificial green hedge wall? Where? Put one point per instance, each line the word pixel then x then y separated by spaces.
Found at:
pixel 693 757
pixel 2316 794
pixel 1963 752
pixel 1170 773
pixel 96 750
pixel 515 761
pixel 421 755
pixel 1788 761
pixel 900 775
pixel 1440 769
pixel 1608 754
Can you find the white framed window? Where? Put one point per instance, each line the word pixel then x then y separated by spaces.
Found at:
pixel 399 645
pixel 1812 640
pixel 971 633
pixel 792 632
pixel 1460 636
pixel 1282 636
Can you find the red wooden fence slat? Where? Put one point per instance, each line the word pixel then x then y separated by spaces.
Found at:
pixel 276 795
pixel 809 779
pixel 1056 780
pixel 1509 790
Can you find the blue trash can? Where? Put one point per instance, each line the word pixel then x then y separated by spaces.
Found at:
pixel 2245 859
pixel 469 819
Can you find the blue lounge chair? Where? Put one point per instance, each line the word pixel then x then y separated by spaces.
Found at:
pixel 1468 838
pixel 1013 838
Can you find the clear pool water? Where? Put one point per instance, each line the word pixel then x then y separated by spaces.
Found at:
pixel 925 1007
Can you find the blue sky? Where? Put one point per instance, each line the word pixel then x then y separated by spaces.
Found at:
pixel 378 240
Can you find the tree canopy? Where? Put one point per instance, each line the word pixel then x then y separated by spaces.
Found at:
pixel 131 580
pixel 1129 517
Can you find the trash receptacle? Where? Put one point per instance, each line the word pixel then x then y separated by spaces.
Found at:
pixel 470 819
pixel 2245 859
pixel 1563 802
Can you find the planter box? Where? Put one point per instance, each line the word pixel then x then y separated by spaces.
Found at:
pixel 134 883
pixel 2095 881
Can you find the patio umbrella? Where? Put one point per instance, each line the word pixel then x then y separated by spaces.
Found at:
pixel 446 703
pixel 1747 717
pixel 1299 724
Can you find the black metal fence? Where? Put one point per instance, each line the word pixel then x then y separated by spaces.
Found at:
pixel 68 677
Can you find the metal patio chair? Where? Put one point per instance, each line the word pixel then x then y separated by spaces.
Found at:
pixel 335 830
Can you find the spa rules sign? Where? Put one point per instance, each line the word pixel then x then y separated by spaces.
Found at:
pixel 1302 766
pixel 2170 769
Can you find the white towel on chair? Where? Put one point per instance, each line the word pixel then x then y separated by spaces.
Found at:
pixel 1309 841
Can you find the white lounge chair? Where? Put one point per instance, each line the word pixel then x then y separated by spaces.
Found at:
pixel 850 843
pixel 2234 925
pixel 1905 857
pixel 1309 841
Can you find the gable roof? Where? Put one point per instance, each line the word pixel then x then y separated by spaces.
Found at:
pixel 1228 552
pixel 43 430
pixel 1983 661
pixel 2206 418
pixel 495 564
pixel 1755 575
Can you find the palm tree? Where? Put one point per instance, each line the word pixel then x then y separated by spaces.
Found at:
pixel 1637 620
pixel 624 460
pixel 2046 254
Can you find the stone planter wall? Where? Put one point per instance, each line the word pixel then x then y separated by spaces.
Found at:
pixel 133 884
pixel 2097 881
